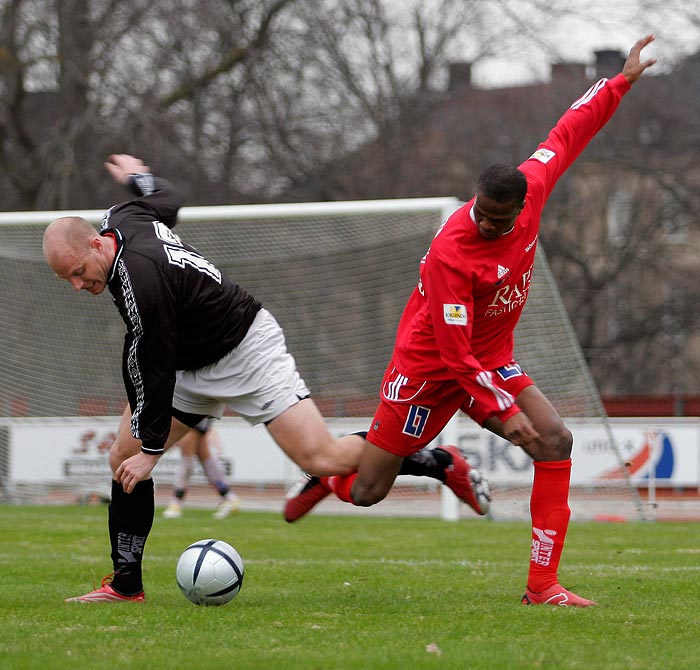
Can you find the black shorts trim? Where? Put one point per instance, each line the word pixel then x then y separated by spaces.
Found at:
pixel 308 395
pixel 187 418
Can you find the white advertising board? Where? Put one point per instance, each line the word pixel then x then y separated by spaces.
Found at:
pixel 65 450
pixel 668 449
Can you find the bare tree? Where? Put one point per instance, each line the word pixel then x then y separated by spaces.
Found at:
pixel 246 100
pixel 259 100
pixel 622 234
pixel 81 78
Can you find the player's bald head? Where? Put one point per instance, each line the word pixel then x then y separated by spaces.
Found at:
pixel 68 236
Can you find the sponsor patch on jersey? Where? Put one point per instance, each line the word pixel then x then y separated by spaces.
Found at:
pixel 502 274
pixel 543 155
pixel 455 315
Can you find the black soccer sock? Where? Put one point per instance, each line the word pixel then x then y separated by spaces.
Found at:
pixel 427 463
pixel 130 521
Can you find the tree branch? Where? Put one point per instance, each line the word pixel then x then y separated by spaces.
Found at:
pixel 230 60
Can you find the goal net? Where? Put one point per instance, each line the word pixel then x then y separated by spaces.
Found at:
pixel 336 276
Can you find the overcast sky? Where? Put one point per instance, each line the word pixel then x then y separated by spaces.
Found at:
pixel 583 26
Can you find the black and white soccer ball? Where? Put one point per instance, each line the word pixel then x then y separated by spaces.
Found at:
pixel 210 572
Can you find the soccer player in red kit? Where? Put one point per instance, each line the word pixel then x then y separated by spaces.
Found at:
pixel 454 346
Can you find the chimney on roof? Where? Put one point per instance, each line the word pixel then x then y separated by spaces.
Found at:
pixel 568 72
pixel 608 62
pixel 460 74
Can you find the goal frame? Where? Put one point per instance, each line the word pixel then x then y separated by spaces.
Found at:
pixel 441 207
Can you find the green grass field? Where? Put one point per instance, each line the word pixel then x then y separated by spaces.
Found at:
pixel 349 593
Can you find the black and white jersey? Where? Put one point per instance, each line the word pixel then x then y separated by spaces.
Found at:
pixel 180 311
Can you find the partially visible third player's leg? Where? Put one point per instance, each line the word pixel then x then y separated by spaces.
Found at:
pixel 183 473
pixel 214 470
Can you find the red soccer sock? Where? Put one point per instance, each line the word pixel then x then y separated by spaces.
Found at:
pixel 549 508
pixel 341 485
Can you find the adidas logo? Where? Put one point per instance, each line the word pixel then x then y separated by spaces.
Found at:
pixel 502 272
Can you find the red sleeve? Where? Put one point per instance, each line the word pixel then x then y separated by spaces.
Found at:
pixel 449 295
pixel 574 130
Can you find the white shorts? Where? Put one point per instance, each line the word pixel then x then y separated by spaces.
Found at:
pixel 258 380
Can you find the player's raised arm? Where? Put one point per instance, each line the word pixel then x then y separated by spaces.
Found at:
pixel 634 66
pixel 122 166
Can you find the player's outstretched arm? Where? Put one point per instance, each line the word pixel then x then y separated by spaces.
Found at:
pixel 634 66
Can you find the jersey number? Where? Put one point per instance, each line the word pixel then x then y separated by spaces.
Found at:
pixel 181 257
pixel 178 255
pixel 417 418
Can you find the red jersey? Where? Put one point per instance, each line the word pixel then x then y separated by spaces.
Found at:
pixel 460 319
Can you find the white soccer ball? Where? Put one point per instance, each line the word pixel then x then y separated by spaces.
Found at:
pixel 210 572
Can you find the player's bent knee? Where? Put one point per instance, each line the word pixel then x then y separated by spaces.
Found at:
pixel 557 443
pixel 121 450
pixel 366 496
pixel 321 464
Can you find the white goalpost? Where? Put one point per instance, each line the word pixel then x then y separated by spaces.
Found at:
pixel 336 276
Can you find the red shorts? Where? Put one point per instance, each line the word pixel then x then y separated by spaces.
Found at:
pixel 413 412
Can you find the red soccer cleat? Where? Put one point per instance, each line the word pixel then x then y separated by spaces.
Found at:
pixel 106 594
pixel 556 595
pixel 466 482
pixel 304 497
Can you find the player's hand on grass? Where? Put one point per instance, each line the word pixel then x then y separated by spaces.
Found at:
pixel 135 469
pixel 634 66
